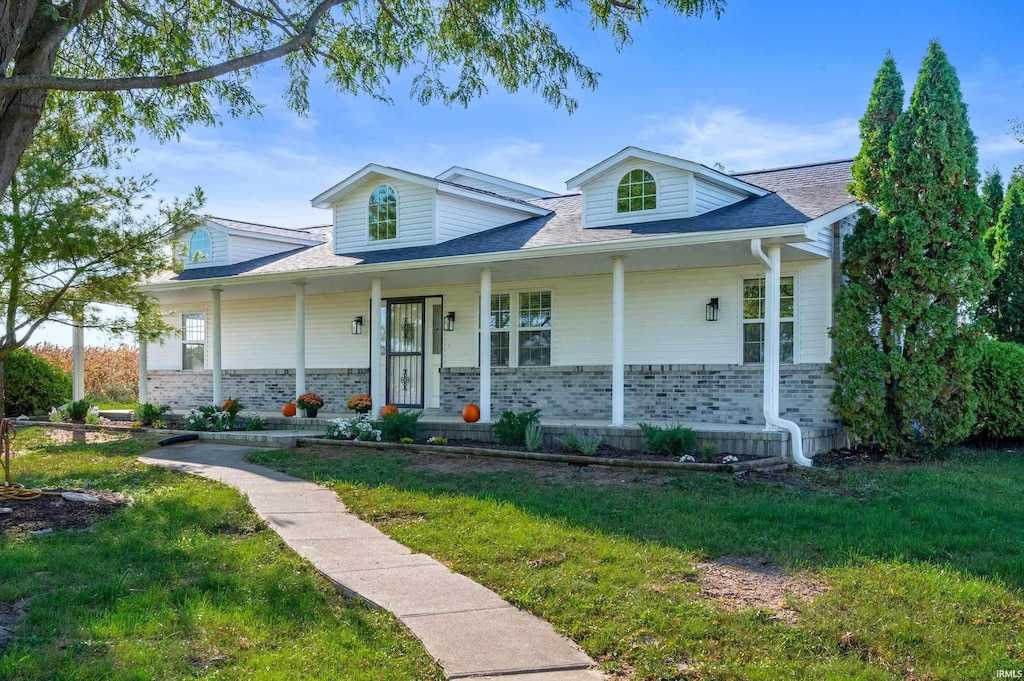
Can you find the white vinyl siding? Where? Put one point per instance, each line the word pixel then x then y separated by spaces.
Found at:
pixel 492 187
pixel 415 216
pixel 710 197
pixel 247 248
pixel 600 197
pixel 458 217
pixel 218 248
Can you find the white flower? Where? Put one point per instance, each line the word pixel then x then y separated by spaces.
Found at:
pixel 686 458
pixel 730 459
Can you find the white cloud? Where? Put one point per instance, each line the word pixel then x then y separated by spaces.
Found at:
pixel 998 144
pixel 742 142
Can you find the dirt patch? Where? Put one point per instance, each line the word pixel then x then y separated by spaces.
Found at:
pixel 460 464
pixel 53 512
pixel 11 615
pixel 60 436
pixel 737 582
pixel 604 451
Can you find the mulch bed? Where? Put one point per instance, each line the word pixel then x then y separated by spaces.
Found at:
pixel 52 512
pixel 603 450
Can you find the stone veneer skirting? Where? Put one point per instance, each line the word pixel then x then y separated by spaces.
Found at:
pixel 709 393
pixel 262 389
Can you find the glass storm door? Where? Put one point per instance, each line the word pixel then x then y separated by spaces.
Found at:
pixel 405 353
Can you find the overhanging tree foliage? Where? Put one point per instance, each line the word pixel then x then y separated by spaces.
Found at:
pixel 905 342
pixel 1007 298
pixel 163 64
pixel 72 234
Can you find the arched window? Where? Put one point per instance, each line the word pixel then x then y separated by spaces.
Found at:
pixel 383 213
pixel 637 191
pixel 199 246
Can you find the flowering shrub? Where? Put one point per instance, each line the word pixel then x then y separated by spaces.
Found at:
pixel 437 440
pixel 309 400
pixel 56 415
pixel 232 406
pixel 407 441
pixel 730 459
pixel 356 428
pixel 253 421
pixel 686 458
pixel 360 403
pixel 213 419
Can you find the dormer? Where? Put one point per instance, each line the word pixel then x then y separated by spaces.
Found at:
pixel 379 208
pixel 225 242
pixel 636 185
pixel 467 177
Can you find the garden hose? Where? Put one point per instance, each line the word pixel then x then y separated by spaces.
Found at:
pixel 11 490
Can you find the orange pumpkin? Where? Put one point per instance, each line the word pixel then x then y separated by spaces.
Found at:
pixel 388 410
pixel 288 409
pixel 471 413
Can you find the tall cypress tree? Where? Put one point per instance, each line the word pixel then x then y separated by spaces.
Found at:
pixel 860 358
pixel 1008 264
pixel 916 282
pixel 992 196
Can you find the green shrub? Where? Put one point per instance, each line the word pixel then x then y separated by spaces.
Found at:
pixel 534 437
pixel 79 409
pixel 394 427
pixel 147 414
pixel 708 451
pixel 115 393
pixel 510 429
pixel 254 421
pixel 582 443
pixel 33 385
pixel 999 381
pixel 672 441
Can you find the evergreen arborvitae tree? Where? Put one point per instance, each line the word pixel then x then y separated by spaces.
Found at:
pixel 1007 299
pixel 859 359
pixel 992 196
pixel 905 343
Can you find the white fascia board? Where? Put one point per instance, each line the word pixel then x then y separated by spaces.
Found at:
pixel 709 174
pixel 455 171
pixel 472 195
pixel 794 233
pixel 327 198
pixel 814 226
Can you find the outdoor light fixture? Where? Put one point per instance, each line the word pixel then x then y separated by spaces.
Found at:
pixel 711 310
pixel 357 325
pixel 449 321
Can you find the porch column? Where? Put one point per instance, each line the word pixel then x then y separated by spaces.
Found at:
pixel 215 343
pixel 772 286
pixel 485 345
pixel 618 340
pixel 376 379
pixel 143 373
pixel 300 338
pixel 78 360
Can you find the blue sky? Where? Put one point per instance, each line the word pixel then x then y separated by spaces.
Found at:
pixel 768 84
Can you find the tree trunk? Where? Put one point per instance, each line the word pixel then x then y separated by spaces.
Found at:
pixel 3 402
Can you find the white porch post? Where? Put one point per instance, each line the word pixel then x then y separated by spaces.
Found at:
pixel 618 340
pixel 376 379
pixel 300 338
pixel 215 344
pixel 78 360
pixel 485 345
pixel 143 373
pixel 772 286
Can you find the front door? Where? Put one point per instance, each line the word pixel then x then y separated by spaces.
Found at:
pixel 404 352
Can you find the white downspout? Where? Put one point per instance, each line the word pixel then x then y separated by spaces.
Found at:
pixel 773 277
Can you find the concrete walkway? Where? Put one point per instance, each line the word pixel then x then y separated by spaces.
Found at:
pixel 472 632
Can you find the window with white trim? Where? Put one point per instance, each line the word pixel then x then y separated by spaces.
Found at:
pixel 753 320
pixel 193 341
pixel 199 246
pixel 383 218
pixel 637 191
pixel 528 323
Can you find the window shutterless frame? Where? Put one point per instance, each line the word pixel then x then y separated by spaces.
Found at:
pixel 754 335
pixel 193 341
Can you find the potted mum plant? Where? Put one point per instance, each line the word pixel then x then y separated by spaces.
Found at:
pixel 360 403
pixel 310 403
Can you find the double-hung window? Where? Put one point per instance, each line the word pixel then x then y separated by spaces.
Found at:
pixel 753 320
pixel 193 341
pixel 521 329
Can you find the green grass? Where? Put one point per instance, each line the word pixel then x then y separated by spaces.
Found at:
pixel 925 562
pixel 184 583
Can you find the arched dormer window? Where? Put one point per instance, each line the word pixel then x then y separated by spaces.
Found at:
pixel 383 213
pixel 637 191
pixel 199 246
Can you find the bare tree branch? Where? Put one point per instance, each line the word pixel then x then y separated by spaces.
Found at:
pixel 298 42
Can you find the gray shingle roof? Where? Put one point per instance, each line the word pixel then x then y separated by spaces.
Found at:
pixel 308 233
pixel 798 198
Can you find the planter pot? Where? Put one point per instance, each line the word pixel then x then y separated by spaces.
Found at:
pixel 311 413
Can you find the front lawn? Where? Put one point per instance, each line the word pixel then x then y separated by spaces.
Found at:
pixel 184 583
pixel 924 563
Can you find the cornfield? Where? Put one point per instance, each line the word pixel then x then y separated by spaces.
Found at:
pixel 111 374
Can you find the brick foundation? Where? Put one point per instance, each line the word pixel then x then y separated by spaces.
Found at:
pixel 263 389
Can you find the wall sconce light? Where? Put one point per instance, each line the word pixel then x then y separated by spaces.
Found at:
pixel 711 310
pixel 357 325
pixel 449 321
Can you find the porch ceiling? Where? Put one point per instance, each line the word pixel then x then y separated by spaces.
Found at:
pixel 425 274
